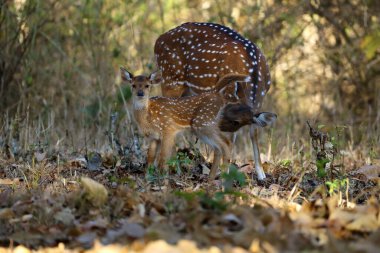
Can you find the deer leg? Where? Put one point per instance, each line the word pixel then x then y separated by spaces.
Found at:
pixel 167 144
pixel 222 149
pixel 256 153
pixel 208 136
pixel 151 152
pixel 153 149
pixel 225 144
pixel 215 163
pixel 234 135
pixel 158 150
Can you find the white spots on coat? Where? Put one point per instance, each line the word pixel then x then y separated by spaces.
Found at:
pixel 207 51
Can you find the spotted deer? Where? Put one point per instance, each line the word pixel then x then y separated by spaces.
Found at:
pixel 160 119
pixel 192 58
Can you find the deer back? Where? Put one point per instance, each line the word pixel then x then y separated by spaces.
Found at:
pixel 198 54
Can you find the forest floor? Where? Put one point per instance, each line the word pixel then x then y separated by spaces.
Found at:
pixel 73 202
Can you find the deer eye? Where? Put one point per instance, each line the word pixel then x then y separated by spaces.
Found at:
pixel 146 86
pixel 133 86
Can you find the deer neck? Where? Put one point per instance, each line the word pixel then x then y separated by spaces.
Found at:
pixel 140 110
pixel 140 104
pixel 142 117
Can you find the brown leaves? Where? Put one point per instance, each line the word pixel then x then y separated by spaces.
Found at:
pixel 65 216
pixel 257 228
pixel 369 172
pixel 126 230
pixel 95 192
pixel 84 207
pixel 359 219
pixel 8 181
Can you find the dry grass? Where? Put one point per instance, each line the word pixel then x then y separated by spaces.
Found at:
pixel 45 202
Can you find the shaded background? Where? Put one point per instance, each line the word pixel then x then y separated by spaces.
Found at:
pixel 59 63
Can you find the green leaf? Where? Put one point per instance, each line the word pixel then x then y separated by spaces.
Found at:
pixel 216 203
pixel 285 163
pixel 234 175
pixel 370 44
pixel 151 174
pixel 189 196
pixel 336 185
pixel 321 167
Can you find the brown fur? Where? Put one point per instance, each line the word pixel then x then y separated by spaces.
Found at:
pixel 160 119
pixel 202 53
pixel 198 54
pixel 235 116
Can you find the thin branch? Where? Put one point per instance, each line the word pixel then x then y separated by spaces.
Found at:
pixel 282 48
pixel 325 14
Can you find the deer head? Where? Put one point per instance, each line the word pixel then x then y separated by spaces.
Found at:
pixel 235 116
pixel 140 85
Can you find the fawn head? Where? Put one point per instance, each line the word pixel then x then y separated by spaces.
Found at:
pixel 235 116
pixel 141 84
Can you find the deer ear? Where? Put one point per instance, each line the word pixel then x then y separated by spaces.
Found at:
pixel 125 75
pixel 155 77
pixel 264 119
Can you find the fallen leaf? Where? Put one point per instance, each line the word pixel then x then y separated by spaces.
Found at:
pixel 6 213
pixel 39 156
pixel 232 223
pixel 255 246
pixel 87 239
pixel 132 230
pixel 247 168
pixel 27 217
pixel 21 249
pixel 65 216
pixel 205 169
pixel 98 223
pixel 371 172
pixel 364 223
pixel 95 191
pixel 79 162
pixel 164 230
pixel 8 181
pixel 141 209
pixel 354 220
pixel 159 188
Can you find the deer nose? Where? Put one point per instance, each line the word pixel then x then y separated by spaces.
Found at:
pixel 140 93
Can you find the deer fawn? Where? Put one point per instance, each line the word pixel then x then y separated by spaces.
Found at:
pixel 193 56
pixel 160 119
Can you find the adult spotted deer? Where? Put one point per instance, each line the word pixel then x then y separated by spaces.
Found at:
pixel 192 58
pixel 160 119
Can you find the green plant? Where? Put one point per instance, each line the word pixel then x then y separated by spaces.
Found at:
pixel 151 174
pixel 286 163
pixel 181 159
pixel 325 145
pixel 217 201
pixel 189 196
pixel 232 177
pixel 208 201
pixel 336 186
pixel 321 167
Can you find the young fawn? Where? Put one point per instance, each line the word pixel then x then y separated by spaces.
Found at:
pixel 160 119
